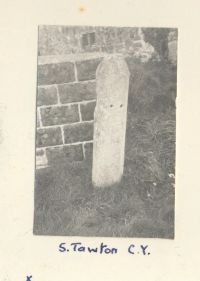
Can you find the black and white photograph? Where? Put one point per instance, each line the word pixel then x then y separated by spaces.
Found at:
pixel 105 148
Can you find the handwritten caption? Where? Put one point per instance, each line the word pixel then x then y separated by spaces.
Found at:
pixel 102 248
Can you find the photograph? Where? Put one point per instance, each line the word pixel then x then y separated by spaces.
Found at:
pixel 105 131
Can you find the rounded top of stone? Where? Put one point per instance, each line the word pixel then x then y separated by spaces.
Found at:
pixel 115 64
pixel 112 80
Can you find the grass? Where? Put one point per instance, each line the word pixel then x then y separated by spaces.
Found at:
pixel 142 204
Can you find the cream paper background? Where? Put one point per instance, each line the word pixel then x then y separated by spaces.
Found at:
pixel 23 254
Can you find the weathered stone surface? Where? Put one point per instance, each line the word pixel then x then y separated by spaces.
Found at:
pixel 40 152
pixel 87 111
pixel 58 115
pixel 86 70
pixel 112 80
pixel 108 49
pixel 41 159
pixel 64 154
pixel 88 150
pixel 78 132
pixel 173 35
pixel 46 95
pixel 48 137
pixel 77 92
pixel 137 44
pixel 37 120
pixel 56 73
pixel 172 46
pixel 62 40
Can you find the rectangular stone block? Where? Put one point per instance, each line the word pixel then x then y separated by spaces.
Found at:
pixel 46 95
pixel 48 137
pixel 86 70
pixel 87 111
pixel 78 132
pixel 110 121
pixel 64 154
pixel 88 150
pixel 58 115
pixel 77 92
pixel 55 73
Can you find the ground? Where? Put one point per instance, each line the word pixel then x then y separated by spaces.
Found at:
pixel 142 204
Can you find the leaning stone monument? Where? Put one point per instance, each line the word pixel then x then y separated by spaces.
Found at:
pixel 112 83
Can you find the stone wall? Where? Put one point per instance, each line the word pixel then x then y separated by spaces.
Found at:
pixel 62 40
pixel 67 61
pixel 65 107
